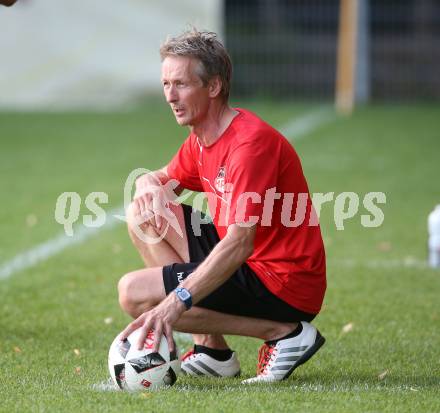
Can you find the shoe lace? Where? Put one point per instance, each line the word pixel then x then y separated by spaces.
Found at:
pixel 187 355
pixel 264 357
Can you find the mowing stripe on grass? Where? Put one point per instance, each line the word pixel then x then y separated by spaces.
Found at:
pixel 294 129
pixel 392 263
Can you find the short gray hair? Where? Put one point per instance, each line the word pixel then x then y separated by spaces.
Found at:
pixel 208 50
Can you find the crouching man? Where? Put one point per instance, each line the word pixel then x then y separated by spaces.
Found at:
pixel 257 270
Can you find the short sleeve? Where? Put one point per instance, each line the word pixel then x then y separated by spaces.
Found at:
pixel 252 171
pixel 183 167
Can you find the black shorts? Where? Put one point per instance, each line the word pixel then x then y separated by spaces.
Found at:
pixel 243 294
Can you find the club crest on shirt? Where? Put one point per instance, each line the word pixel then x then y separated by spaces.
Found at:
pixel 219 182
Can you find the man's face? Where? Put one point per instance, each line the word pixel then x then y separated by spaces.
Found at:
pixel 184 90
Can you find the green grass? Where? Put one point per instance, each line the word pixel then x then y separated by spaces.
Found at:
pixel 376 276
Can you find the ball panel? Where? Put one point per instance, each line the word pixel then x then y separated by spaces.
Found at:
pixel 139 381
pixel 170 377
pixel 175 362
pixel 123 347
pixel 147 362
pixel 114 355
pixel 119 370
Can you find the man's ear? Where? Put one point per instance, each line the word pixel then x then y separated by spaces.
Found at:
pixel 215 86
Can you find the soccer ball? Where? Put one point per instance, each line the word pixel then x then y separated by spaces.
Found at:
pixel 132 369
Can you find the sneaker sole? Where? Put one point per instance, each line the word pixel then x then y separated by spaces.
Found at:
pixel 319 342
pixel 183 372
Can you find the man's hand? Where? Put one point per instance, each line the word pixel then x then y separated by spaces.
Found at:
pixel 160 319
pixel 152 198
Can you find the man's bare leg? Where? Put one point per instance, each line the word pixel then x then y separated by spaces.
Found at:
pixel 137 296
pixel 173 248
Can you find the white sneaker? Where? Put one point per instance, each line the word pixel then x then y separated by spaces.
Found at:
pixel 201 364
pixel 277 361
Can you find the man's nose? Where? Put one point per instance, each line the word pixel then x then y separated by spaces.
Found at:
pixel 171 94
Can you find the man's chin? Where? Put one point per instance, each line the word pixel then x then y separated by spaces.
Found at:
pixel 182 121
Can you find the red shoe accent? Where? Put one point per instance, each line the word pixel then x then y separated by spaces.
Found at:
pixel 264 355
pixel 187 354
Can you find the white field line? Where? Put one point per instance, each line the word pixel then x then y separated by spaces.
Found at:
pixel 299 128
pixel 53 246
pixel 246 389
pixel 295 129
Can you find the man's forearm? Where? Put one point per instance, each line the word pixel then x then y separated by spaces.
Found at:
pixel 228 255
pixel 161 175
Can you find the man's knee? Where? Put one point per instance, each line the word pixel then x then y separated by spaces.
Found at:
pixel 130 298
pixel 137 225
pixel 124 291
pixel 134 218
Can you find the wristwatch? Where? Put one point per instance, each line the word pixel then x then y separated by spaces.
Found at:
pixel 185 296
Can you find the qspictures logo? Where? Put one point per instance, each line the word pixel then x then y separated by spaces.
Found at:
pixel 294 209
